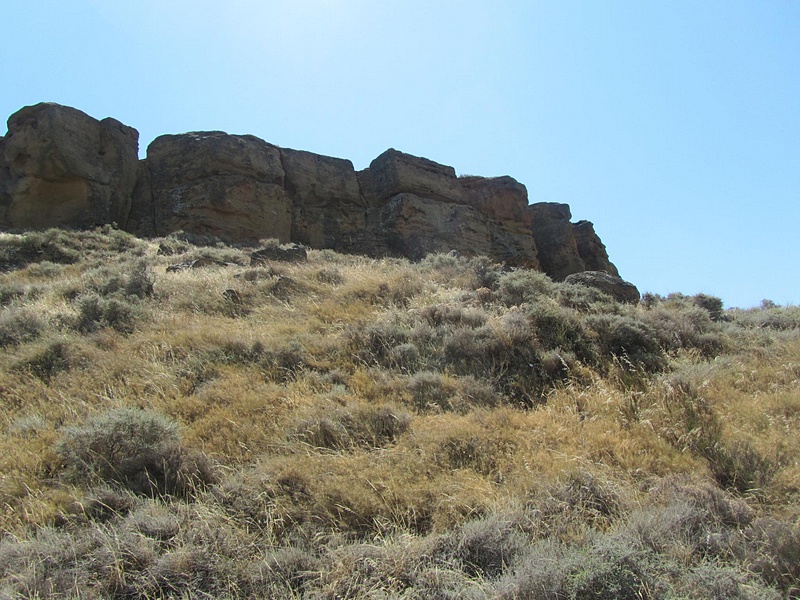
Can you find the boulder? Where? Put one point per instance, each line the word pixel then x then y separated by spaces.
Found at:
pixel 328 210
pixel 555 242
pixel 281 253
pixel 213 183
pixel 394 173
pixel 67 168
pixel 619 289
pixel 198 263
pixel 591 249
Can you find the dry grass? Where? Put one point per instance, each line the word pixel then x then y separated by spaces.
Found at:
pixel 380 427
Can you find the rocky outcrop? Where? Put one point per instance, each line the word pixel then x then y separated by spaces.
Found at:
pixel 619 289
pixel 5 182
pixel 60 167
pixel 67 168
pixel 394 173
pixel 281 253
pixel 417 206
pixel 213 183
pixel 328 210
pixel 591 249
pixel 552 232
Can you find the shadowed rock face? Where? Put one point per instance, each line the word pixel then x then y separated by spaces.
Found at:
pixel 328 210
pixel 60 167
pixel 5 181
pixel 67 168
pixel 552 232
pixel 591 249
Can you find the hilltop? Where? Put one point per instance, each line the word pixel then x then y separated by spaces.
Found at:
pixel 187 418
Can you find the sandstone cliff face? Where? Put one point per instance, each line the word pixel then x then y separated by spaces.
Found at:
pixel 328 210
pixel 552 232
pixel 212 183
pixel 418 206
pixel 60 167
pixel 5 181
pixel 67 168
pixel 591 249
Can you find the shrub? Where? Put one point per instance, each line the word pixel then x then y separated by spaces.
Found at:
pixel 609 568
pixel 52 245
pixel 372 427
pixel 773 551
pixel 561 328
pixel 405 357
pixel 487 273
pixel 523 285
pixel 95 312
pixel 19 325
pixel 632 342
pixel 738 466
pixel 430 391
pixel 138 449
pixel 711 304
pixel 485 547
pixel 447 314
pixel 48 361
pixel 583 298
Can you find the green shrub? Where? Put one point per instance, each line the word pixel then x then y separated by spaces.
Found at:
pixel 95 312
pixel 632 342
pixel 487 272
pixel 138 449
pixel 484 547
pixel 448 314
pixel 711 304
pixel 773 552
pixel 47 361
pixel 52 245
pixel 372 427
pixel 738 466
pixel 561 328
pixel 584 298
pixel 429 391
pixel 523 285
pixel 19 325
pixel 610 567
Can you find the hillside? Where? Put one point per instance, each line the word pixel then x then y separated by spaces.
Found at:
pixel 178 422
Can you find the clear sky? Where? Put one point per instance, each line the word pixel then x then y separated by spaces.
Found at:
pixel 674 126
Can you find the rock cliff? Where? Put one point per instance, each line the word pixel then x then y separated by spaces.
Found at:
pixel 64 168
pixel 61 167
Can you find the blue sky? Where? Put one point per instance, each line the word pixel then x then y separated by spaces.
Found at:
pixel 673 126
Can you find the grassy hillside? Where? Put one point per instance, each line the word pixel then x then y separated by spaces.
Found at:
pixel 350 428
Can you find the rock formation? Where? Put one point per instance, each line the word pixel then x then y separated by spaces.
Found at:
pixel 60 167
pixel 67 169
pixel 552 232
pixel 212 183
pixel 5 182
pixel 591 249
pixel 620 290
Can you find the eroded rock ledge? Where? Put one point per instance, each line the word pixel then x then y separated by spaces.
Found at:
pixel 61 167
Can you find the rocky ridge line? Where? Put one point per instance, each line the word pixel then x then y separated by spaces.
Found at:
pixel 59 167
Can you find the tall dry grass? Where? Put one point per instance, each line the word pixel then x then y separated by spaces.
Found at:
pixel 350 427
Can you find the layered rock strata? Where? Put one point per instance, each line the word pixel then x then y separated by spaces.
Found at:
pixel 61 167
pixel 65 168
